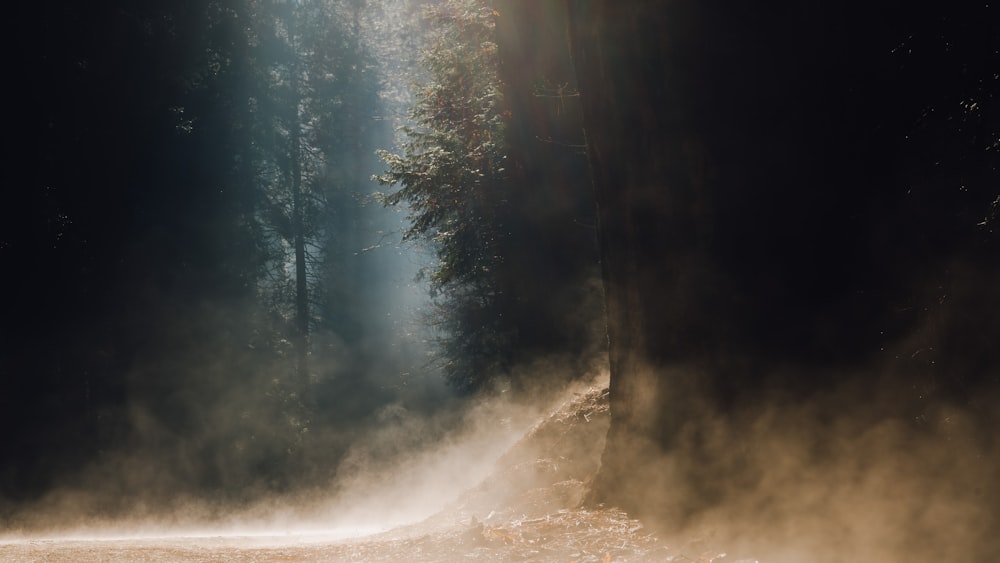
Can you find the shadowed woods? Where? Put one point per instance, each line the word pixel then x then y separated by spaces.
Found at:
pixel 796 213
pixel 800 271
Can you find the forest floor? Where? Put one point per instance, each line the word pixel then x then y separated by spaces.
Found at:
pixel 529 509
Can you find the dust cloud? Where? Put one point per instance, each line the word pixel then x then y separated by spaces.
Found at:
pixel 839 474
pixel 403 467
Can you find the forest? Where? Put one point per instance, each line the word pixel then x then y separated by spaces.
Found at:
pixel 241 234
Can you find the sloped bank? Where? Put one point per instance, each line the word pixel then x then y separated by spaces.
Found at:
pixel 531 507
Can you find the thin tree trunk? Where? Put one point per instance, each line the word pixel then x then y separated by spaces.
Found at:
pixel 298 230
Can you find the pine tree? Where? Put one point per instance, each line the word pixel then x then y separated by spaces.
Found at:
pixel 450 174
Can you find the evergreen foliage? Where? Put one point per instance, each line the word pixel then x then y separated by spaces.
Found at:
pixel 451 176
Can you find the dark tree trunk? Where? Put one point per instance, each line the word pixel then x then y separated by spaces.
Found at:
pixel 647 177
pixel 298 228
pixel 301 281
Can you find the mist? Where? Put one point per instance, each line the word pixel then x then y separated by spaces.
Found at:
pixel 402 468
pixel 831 476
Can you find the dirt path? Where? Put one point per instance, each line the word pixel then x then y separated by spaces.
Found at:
pixel 567 535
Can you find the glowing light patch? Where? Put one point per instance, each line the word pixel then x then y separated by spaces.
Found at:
pixel 260 537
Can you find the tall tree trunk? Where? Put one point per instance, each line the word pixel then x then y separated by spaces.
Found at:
pixel 298 227
pixel 648 178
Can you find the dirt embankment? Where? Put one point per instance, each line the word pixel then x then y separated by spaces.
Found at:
pixel 530 508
